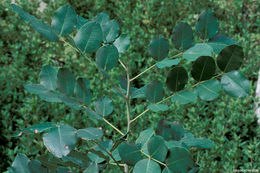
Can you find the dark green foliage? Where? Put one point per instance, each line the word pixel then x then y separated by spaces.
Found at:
pixel 177 78
pixel 159 48
pixel 154 92
pixel 107 57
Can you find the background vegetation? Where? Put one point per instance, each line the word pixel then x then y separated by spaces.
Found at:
pixel 229 122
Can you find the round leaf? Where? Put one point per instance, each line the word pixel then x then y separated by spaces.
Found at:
pixel 170 130
pixel 60 140
pixel 101 18
pixel 159 48
pixel 107 57
pixel 89 37
pixel 80 22
pixel 104 106
pixel 143 139
pixel 48 77
pixel 44 29
pixel 158 107
pixel 203 68
pixel 208 90
pixel 177 79
pixel 66 81
pixel 191 141
pixel 207 25
pixel 129 153
pixel 92 168
pixel 179 160
pixel 184 97
pixel 147 166
pixel 235 84
pixel 167 63
pixel 230 58
pixel 154 92
pixel 64 20
pixel 20 164
pixel 122 43
pixel 82 90
pixel 110 30
pixel 157 148
pixel 182 36
pixel 219 42
pixel 90 133
pixel 199 49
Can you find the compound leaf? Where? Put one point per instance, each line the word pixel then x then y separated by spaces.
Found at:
pixel 154 92
pixel 122 43
pixel 66 81
pixel 177 79
pixel 208 90
pixel 48 77
pixel 60 140
pixel 44 29
pixel 107 57
pixel 184 97
pixel 89 37
pixel 203 68
pixel 159 48
pixel 157 148
pixel 235 84
pixel 147 166
pixel 104 106
pixel 90 133
pixel 64 20
pixel 199 49
pixel 82 90
pixel 129 153
pixel 182 36
pixel 207 25
pixel 230 58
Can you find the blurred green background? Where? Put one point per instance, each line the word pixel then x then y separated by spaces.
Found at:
pixel 229 122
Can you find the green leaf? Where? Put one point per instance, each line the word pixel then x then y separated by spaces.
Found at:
pixel 48 77
pixel 97 154
pixel 89 37
pixel 173 143
pixel 82 90
pixel 143 139
pixel 170 130
pixel 230 58
pixel 64 20
pixel 208 90
pixel 177 79
pixel 71 102
pixel 80 22
pixel 107 57
pixel 154 91
pixel 77 158
pixel 179 160
pixel 66 81
pixel 203 68
pixel 139 93
pixel 158 107
pixel 44 29
pixel 166 170
pixel 182 36
pixel 42 92
pixel 157 148
pixel 93 114
pixel 110 30
pixel 62 169
pixel 122 43
pixel 190 141
pixel 36 166
pixel 184 97
pixel 159 48
pixel 101 18
pixel 20 164
pixel 90 133
pixel 207 25
pixel 49 161
pixel 38 128
pixel 235 84
pixel 92 168
pixel 147 166
pixel 60 140
pixel 167 63
pixel 199 49
pixel 129 153
pixel 219 42
pixel 194 170
pixel 104 106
